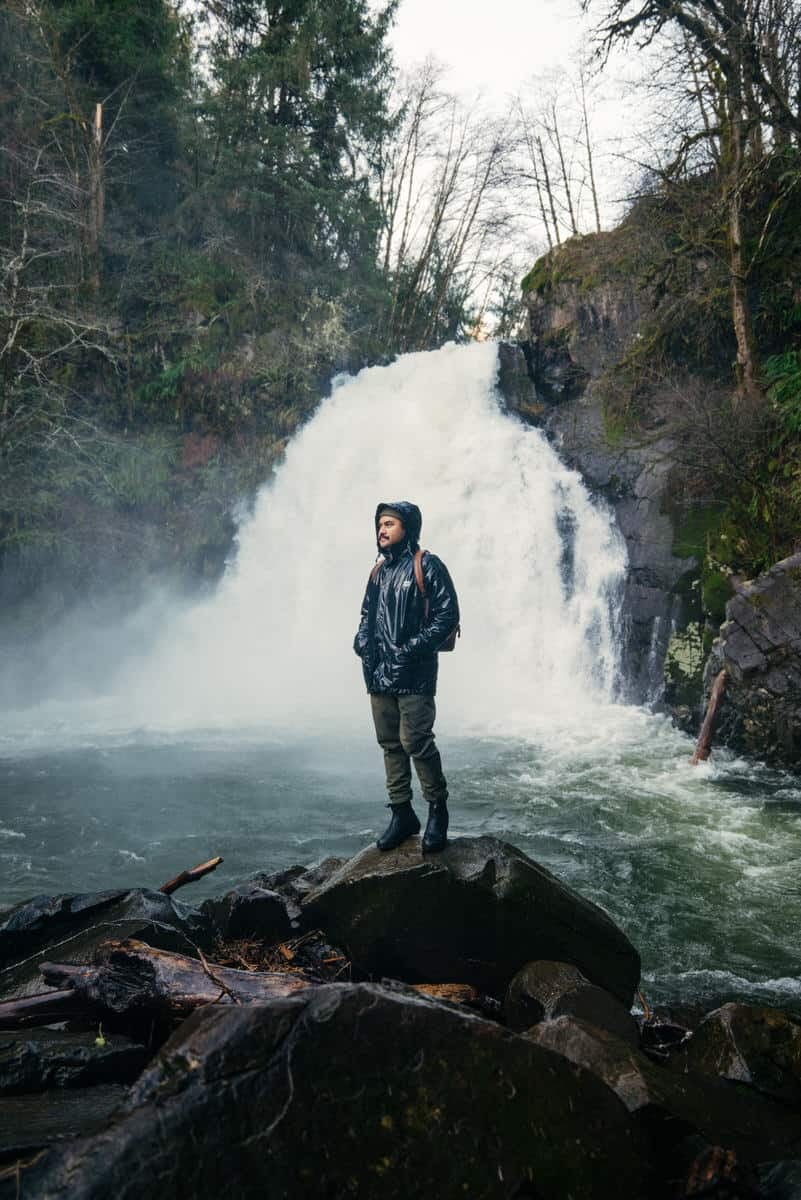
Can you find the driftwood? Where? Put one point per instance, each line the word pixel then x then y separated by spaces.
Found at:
pixel 190 876
pixel 131 977
pixel 704 744
pixel 42 1009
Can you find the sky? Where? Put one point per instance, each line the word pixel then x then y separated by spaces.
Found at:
pixel 493 48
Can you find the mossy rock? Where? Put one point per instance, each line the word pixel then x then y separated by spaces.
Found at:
pixel 716 589
pixel 684 666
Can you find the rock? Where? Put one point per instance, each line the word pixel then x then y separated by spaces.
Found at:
pixel 41 920
pixel 49 1058
pixel 29 1123
pixel 74 926
pixel 760 648
pixel 672 1104
pixel 660 1037
pixel 516 383
pixel 579 328
pixel 749 1044
pixel 780 1180
pixel 476 913
pixel 249 910
pixel 543 990
pixel 353 1090
pixel 293 883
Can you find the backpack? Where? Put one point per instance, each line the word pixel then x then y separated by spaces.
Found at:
pixel 450 640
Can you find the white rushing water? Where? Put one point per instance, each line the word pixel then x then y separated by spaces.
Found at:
pixel 240 725
pixel 536 564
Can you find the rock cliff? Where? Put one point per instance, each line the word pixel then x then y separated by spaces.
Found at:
pixel 583 317
pixel 760 649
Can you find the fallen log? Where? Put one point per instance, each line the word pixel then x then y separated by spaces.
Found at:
pixel 704 744
pixel 132 978
pixel 42 1009
pixel 190 876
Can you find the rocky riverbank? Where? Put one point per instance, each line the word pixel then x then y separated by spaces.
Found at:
pixel 459 1024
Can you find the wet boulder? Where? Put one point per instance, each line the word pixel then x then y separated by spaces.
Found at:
pixel 544 990
pixel 476 913
pixel 32 1061
pixel 760 649
pixel 780 1180
pixel 249 911
pixel 295 883
pixel 71 928
pixel 354 1090
pixel 672 1105
pixel 749 1044
pixel 40 921
pixel 31 1122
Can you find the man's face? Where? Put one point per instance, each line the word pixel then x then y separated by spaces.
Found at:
pixel 390 531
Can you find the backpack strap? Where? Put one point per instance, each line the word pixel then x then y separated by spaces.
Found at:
pixel 420 581
pixel 373 576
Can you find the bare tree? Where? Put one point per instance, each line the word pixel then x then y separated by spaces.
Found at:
pixel 50 331
pixel 556 153
pixel 440 189
pixel 743 57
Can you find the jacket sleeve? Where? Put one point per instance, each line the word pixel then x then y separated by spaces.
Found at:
pixel 443 614
pixel 361 639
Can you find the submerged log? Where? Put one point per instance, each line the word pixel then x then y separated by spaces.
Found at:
pixel 704 744
pixel 190 876
pixel 131 977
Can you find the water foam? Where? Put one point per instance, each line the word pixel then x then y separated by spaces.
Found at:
pixel 536 562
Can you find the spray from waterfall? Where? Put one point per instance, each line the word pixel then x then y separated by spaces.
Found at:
pixel 536 562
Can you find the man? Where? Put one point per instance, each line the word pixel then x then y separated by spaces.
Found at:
pixel 399 634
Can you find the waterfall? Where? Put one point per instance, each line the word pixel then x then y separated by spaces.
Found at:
pixel 537 564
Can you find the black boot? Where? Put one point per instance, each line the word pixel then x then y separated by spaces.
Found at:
pixel 404 823
pixel 435 837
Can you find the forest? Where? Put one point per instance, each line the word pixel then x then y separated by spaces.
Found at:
pixel 205 213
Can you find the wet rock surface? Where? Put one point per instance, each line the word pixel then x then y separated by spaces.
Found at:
pixel 475 913
pixel 35 1060
pixel 542 991
pixel 30 1122
pixel 295 883
pixel 673 1103
pixel 572 338
pixel 281 1083
pixel 748 1044
pixel 74 926
pixel 760 649
pixel 249 910
pixel 374 1092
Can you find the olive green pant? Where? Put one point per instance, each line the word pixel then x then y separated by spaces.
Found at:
pixel 404 726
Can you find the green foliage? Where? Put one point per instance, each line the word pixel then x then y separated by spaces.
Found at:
pixel 716 591
pixel 783 373
pixel 692 530
pixel 229 269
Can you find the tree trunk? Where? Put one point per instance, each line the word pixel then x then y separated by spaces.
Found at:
pixel 748 388
pixel 565 178
pixel 703 746
pixel 549 191
pixel 97 196
pixel 588 146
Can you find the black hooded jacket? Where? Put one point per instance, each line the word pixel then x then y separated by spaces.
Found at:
pixel 398 651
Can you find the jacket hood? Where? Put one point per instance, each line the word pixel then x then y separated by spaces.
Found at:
pixel 410 515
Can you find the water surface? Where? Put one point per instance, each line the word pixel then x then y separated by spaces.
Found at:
pixel 700 866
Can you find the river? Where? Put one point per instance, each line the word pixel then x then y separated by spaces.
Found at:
pixel 239 725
